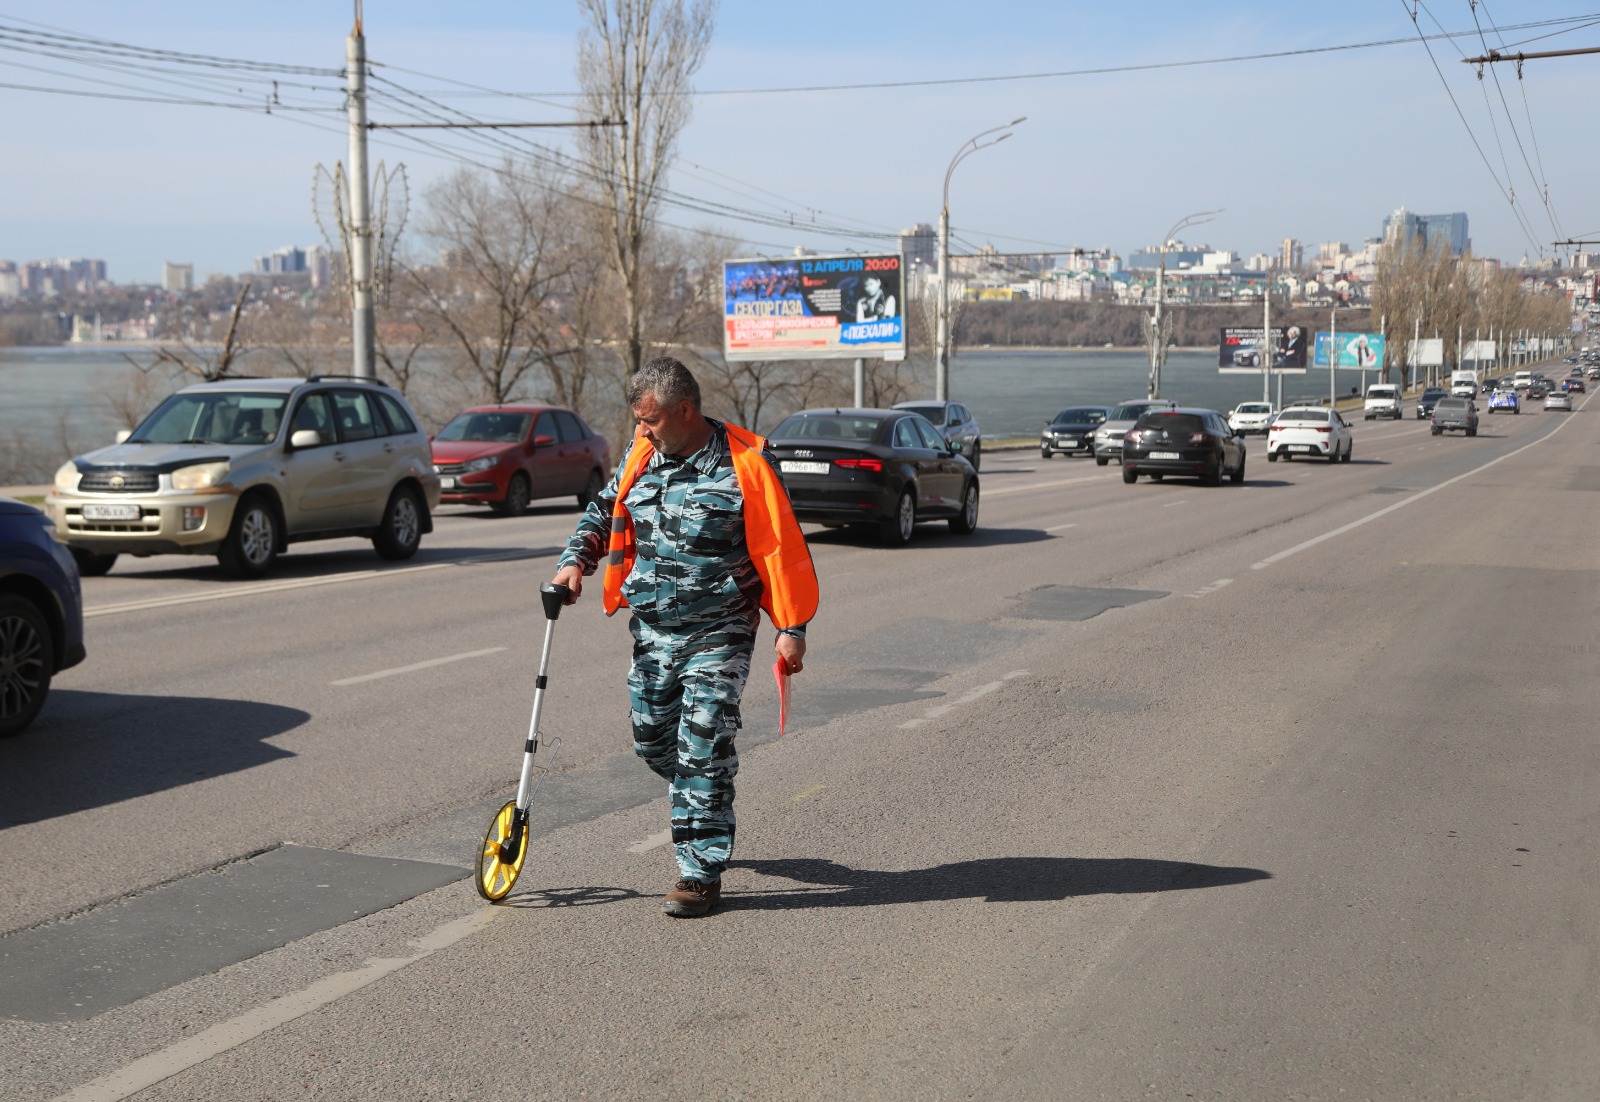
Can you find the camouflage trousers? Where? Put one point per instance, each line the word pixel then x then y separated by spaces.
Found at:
pixel 683 692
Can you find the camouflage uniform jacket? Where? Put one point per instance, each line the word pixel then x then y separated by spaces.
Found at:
pixel 693 570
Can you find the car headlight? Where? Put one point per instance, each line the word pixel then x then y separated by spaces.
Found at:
pixel 201 476
pixel 67 478
pixel 1101 434
pixel 481 464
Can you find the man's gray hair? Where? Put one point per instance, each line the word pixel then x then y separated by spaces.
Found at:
pixel 664 379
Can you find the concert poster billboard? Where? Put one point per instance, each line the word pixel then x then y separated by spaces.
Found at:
pixel 813 308
pixel 1356 351
pixel 1239 350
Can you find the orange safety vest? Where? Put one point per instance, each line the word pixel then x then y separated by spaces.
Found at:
pixel 772 535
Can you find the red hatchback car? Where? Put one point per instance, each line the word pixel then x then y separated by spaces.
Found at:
pixel 506 456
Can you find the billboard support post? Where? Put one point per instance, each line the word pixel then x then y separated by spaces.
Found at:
pixel 861 383
pixel 1266 339
pixel 1333 354
pixel 941 370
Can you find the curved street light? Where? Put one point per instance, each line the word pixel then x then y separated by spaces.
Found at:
pixel 1156 335
pixel 941 390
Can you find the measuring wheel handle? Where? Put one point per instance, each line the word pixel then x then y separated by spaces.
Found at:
pixel 554 597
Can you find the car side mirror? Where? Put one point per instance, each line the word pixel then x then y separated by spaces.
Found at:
pixel 305 438
pixel 543 440
pixel 123 434
pixel 954 446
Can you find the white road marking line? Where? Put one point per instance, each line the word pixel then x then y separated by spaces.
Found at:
pixel 1060 527
pixel 192 1051
pixel 967 698
pixel 1032 486
pixel 1212 588
pixel 1174 504
pixel 300 583
pixel 417 666
pixel 1401 504
pixel 655 841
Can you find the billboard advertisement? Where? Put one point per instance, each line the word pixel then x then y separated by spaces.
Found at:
pixel 1358 351
pixel 1428 352
pixel 1239 350
pixel 813 307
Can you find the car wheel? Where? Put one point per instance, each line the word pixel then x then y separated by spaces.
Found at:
pixel 400 532
pixel 27 661
pixel 967 522
pixel 896 531
pixel 1212 475
pixel 1101 461
pixel 252 544
pixel 1238 476
pixel 591 489
pixel 1272 457
pixel 1045 453
pixel 1350 450
pixel 92 564
pixel 977 454
pixel 1472 432
pixel 518 494
pixel 1437 430
pixel 1129 475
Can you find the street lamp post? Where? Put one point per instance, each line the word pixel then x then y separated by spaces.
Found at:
pixel 1158 336
pixel 942 305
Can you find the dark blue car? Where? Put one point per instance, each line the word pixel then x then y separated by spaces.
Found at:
pixel 41 613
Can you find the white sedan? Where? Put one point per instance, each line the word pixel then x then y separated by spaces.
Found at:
pixel 1558 399
pixel 1310 430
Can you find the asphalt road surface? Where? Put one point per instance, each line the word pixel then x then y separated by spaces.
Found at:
pixel 1284 790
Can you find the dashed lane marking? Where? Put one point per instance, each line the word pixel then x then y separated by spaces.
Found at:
pixel 415 666
pixel 967 698
pixel 1212 588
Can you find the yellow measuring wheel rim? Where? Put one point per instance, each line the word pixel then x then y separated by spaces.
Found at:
pixel 496 877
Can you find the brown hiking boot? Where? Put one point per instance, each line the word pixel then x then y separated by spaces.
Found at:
pixel 692 898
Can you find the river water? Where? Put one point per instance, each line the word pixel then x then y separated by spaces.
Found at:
pixel 57 400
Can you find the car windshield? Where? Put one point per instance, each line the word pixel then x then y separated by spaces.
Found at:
pixel 215 417
pixel 1432 392
pixel 933 411
pixel 827 426
pixel 487 427
pixel 1318 416
pixel 1254 407
pixel 1129 411
pixel 1080 415
pixel 1452 403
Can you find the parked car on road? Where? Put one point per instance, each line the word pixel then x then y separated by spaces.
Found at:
pixel 1251 417
pixel 888 468
pixel 41 613
pixel 1455 414
pixel 1196 443
pixel 1505 399
pixel 1558 399
pixel 240 468
pixel 507 456
pixel 1108 437
pixel 1071 432
pixel 1430 398
pixel 1310 430
pixel 955 423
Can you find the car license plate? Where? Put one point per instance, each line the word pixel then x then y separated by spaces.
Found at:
pixel 1302 448
pixel 1164 455
pixel 111 512
pixel 795 466
pixel 447 483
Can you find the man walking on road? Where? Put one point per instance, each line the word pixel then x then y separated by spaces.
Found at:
pixel 697 537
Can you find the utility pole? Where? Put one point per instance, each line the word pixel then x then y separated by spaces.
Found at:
pixel 362 324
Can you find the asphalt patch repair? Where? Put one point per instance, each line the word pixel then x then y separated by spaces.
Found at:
pixel 121 952
pixel 1075 602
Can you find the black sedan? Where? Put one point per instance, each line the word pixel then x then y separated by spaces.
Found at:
pixel 41 613
pixel 1071 432
pixel 1184 441
pixel 1430 398
pixel 888 468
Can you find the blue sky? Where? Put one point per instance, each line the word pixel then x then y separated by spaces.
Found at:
pixel 1320 146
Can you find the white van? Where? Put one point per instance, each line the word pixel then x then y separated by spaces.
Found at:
pixel 1523 380
pixel 1383 400
pixel 1463 384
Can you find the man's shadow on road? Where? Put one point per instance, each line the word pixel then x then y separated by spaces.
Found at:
pixel 994 879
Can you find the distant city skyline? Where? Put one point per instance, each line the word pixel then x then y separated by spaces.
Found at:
pixel 1134 120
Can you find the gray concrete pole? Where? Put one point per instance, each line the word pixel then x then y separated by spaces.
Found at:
pixel 360 258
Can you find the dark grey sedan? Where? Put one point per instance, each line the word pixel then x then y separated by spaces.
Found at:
pixel 884 468
pixel 1197 443
pixel 955 423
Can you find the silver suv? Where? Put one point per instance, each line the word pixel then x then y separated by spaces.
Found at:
pixel 1108 435
pixel 240 468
